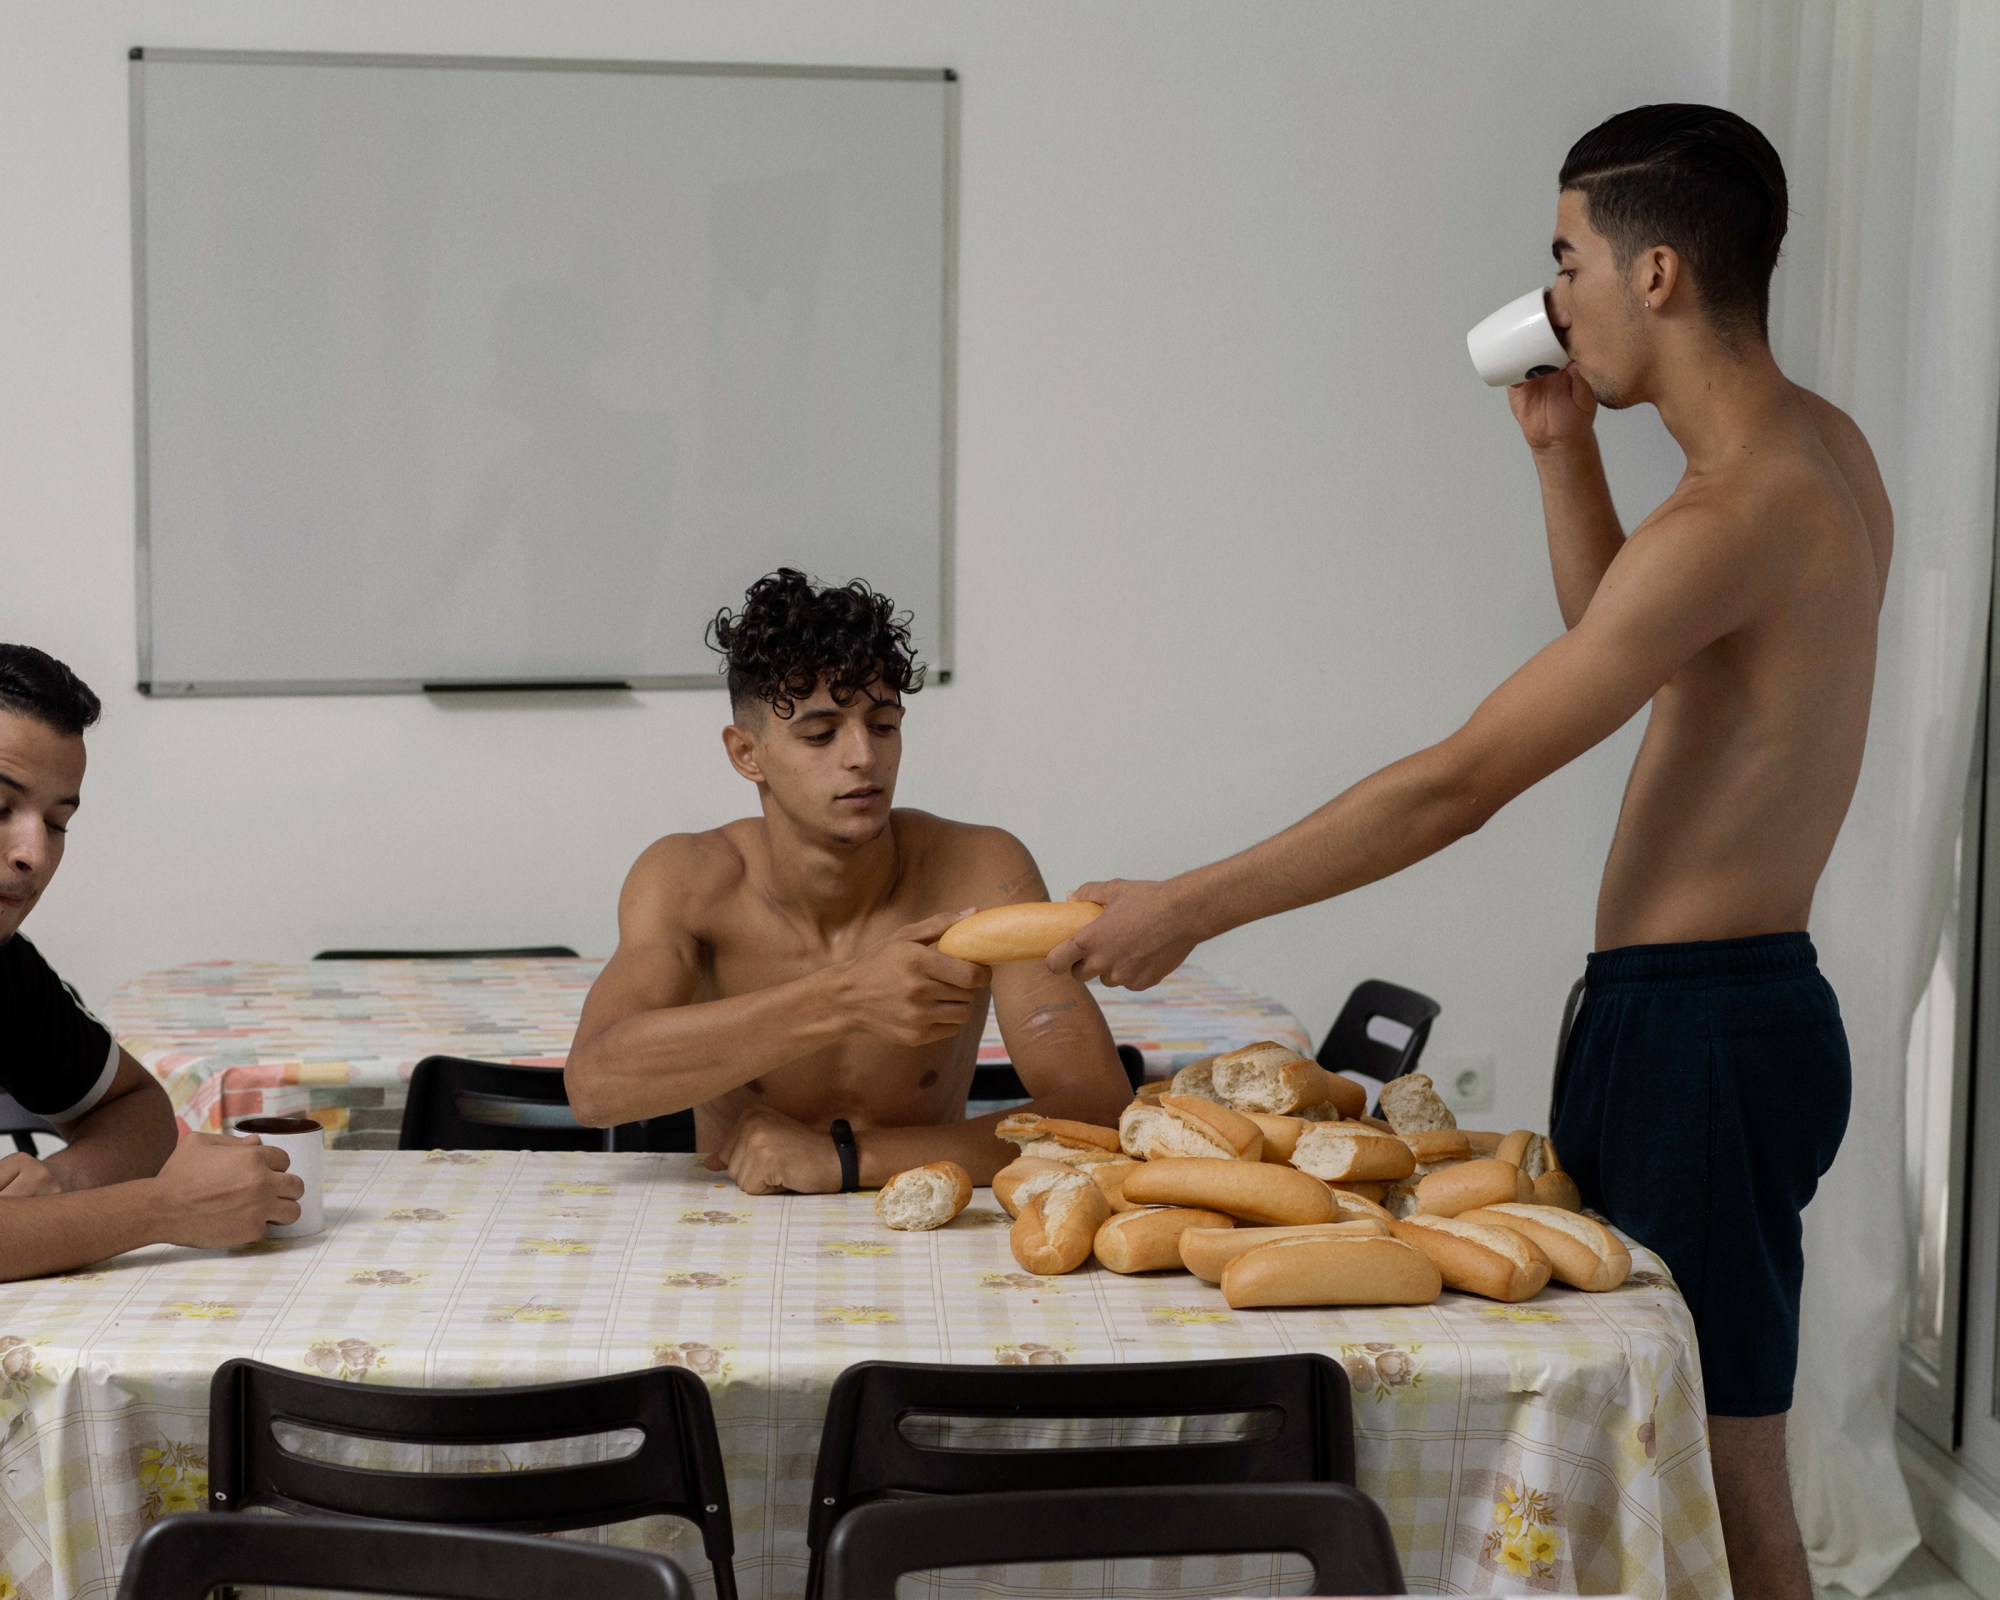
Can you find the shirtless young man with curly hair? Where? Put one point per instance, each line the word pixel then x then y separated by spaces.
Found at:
pixel 780 973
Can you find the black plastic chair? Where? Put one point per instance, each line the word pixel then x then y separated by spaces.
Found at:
pixel 1335 1526
pixel 185 1557
pixel 865 1454
pixel 676 1471
pixel 1347 1047
pixel 456 1104
pixel 21 1125
pixel 999 1081
pixel 546 952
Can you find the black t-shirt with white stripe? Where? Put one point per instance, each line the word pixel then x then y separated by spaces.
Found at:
pixel 55 1057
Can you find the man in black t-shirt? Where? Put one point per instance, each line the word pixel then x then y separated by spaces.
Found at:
pixel 120 1181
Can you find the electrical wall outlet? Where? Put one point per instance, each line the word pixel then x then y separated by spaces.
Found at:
pixel 1465 1083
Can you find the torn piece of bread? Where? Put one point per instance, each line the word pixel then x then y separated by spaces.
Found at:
pixel 1479 1258
pixel 1527 1149
pixel 1281 1134
pixel 1197 1077
pixel 1267 1077
pixel 1352 1152
pixel 1583 1253
pixel 1187 1125
pixel 1008 1180
pixel 1411 1105
pixel 924 1197
pixel 1057 1139
pixel 1057 1224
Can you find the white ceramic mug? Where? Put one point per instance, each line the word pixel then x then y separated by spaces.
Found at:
pixel 304 1141
pixel 1517 342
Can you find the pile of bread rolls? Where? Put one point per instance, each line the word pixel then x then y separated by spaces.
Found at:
pixel 1257 1171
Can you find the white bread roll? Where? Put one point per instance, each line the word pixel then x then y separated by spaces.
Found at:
pixel 1558 1188
pixel 1152 1088
pixel 1206 1251
pixel 1332 1272
pixel 1016 933
pixel 1197 1077
pixel 1149 1239
pixel 1479 1258
pixel 1268 1077
pixel 1352 1152
pixel 1411 1105
pixel 924 1197
pixel 1582 1252
pixel 1487 1181
pixel 1251 1191
pixel 1281 1134
pixel 1008 1180
pixel 1187 1125
pixel 1057 1139
pixel 1054 1231
pixel 1349 1206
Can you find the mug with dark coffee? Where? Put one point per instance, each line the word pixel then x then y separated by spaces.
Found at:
pixel 304 1141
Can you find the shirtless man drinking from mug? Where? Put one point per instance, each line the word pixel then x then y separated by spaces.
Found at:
pixel 1703 1088
pixel 779 975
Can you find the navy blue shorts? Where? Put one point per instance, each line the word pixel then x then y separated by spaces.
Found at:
pixel 1701 1092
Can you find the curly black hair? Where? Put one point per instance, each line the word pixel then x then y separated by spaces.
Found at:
pixel 792 634
pixel 37 685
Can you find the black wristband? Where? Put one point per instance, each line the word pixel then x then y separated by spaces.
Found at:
pixel 850 1158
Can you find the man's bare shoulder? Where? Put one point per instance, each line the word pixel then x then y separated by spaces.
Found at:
pixel 970 857
pixel 1855 461
pixel 693 867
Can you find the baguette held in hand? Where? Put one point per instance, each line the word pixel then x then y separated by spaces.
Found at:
pixel 1351 1271
pixel 1149 1238
pixel 1252 1191
pixel 1016 933
pixel 924 1197
pixel 1057 1224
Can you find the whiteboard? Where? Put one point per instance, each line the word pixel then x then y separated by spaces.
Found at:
pixel 461 372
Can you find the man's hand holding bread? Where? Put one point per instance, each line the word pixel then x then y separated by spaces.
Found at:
pixel 909 992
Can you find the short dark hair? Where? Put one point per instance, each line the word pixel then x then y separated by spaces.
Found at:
pixel 793 633
pixel 1701 180
pixel 37 685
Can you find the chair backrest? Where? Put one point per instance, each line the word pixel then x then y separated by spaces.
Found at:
pixel 1348 1048
pixel 541 952
pixel 1302 1429
pixel 676 1470
pixel 998 1081
pixel 184 1557
pixel 21 1125
pixel 456 1104
pixel 1334 1525
pixel 674 1132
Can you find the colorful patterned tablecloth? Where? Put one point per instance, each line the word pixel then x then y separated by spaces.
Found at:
pixel 338 1039
pixel 1555 1446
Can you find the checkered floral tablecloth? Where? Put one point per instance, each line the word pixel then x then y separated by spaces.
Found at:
pixel 338 1039
pixel 1551 1447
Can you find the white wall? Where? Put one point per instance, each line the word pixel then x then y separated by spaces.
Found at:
pixel 1237 523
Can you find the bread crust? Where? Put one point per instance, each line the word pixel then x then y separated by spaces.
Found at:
pixel 1485 1181
pixel 1148 1238
pixel 1438 1145
pixel 1008 1180
pixel 1332 1272
pixel 1206 1251
pixel 1557 1188
pixel 1582 1252
pixel 1349 1204
pixel 1025 932
pixel 1281 1134
pixel 1251 1191
pixel 1187 1125
pixel 1352 1152
pixel 908 1188
pixel 1077 1144
pixel 1268 1077
pixel 1411 1104
pixel 1054 1231
pixel 1479 1258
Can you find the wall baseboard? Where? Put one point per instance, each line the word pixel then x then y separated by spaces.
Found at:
pixel 1958 1515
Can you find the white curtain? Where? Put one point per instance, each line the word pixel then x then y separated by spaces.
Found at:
pixel 1888 303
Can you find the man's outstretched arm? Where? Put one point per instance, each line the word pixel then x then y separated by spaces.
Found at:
pixel 1676 587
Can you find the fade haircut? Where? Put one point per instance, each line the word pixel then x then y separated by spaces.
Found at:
pixel 37 685
pixel 1701 180
pixel 793 634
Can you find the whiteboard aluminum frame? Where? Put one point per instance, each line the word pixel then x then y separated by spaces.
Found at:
pixel 140 55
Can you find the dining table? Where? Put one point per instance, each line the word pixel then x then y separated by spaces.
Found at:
pixel 337 1040
pixel 1552 1446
